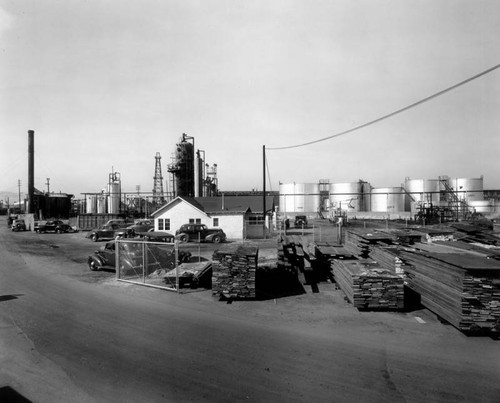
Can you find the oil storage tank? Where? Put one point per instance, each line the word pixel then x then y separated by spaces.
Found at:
pixel 90 204
pixel 114 193
pixel 388 200
pixel 299 198
pixel 350 196
pixel 468 189
pixel 423 190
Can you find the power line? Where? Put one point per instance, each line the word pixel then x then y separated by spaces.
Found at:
pixel 437 94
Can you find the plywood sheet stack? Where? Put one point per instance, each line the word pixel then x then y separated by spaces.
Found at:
pixel 367 285
pixel 463 289
pixel 234 271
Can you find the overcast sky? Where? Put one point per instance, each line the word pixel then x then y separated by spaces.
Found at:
pixel 108 84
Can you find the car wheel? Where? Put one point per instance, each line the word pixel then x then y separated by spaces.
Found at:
pixel 93 266
pixel 216 239
pixel 94 237
pixel 183 238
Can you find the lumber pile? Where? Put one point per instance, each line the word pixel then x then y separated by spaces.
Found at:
pixel 367 285
pixel 290 254
pixel 233 272
pixel 461 288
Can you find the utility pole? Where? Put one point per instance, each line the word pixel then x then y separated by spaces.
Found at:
pixel 48 185
pixel 264 186
pixel 19 188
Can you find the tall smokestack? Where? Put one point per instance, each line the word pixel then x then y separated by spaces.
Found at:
pixel 31 171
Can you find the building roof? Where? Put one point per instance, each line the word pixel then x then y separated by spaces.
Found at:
pixel 225 204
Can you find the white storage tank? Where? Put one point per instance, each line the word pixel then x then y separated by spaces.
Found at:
pixel 388 200
pixel 350 196
pixel 301 198
pixel 114 191
pixel 90 204
pixel 483 206
pixel 423 190
pixel 101 204
pixel 468 189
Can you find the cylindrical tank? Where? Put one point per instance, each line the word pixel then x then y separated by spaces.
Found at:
pixel 468 189
pixel 299 198
pixel 423 190
pixel 388 200
pixel 101 204
pixel 114 191
pixel 483 206
pixel 350 196
pixel 91 204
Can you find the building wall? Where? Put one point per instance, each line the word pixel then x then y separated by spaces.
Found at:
pixel 181 212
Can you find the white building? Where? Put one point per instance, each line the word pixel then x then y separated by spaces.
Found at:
pixel 240 217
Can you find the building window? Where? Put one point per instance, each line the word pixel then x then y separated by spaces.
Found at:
pixel 160 224
pixel 167 224
pixel 191 221
pixel 216 222
pixel 195 221
pixel 256 220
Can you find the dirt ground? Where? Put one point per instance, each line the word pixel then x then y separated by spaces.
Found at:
pixel 69 334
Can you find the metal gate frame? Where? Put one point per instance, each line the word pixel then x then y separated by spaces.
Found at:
pixel 120 241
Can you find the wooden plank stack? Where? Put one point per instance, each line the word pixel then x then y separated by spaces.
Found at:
pixel 290 254
pixel 367 285
pixel 234 272
pixel 461 288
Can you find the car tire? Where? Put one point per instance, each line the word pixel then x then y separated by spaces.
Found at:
pixel 183 238
pixel 93 266
pixel 94 237
pixel 216 239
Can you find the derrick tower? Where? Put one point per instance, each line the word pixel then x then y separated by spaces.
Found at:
pixel 158 181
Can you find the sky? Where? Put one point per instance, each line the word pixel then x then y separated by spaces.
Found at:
pixel 106 84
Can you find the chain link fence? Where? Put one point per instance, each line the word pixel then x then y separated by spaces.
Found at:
pixel 153 264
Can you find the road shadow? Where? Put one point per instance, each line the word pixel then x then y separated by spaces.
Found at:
pixel 8 298
pixel 10 395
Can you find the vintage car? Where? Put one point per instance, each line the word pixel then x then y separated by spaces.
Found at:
pixel 134 229
pixel 200 232
pixel 132 256
pixel 18 225
pixel 107 231
pixel 56 226
pixel 300 221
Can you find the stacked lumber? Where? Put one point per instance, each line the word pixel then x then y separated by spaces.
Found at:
pixel 462 288
pixel 290 253
pixel 367 285
pixel 233 272
pixel 361 241
pixel 389 257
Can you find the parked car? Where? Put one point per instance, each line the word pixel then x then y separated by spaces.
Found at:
pixel 18 225
pixel 134 229
pixel 195 232
pixel 300 221
pixel 56 226
pixel 107 231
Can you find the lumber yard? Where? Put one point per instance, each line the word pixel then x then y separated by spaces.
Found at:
pixel 452 270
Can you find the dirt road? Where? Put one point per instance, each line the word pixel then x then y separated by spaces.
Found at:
pixel 68 334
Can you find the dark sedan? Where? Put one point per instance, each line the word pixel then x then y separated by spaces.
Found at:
pixel 56 226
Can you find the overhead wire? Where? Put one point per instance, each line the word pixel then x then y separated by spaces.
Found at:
pixel 413 105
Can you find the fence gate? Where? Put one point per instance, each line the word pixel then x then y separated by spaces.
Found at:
pixel 153 264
